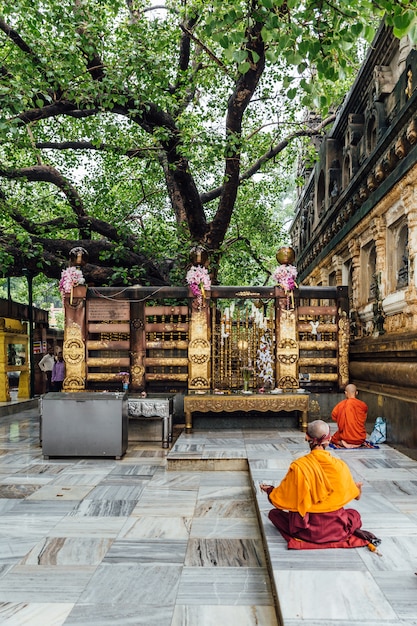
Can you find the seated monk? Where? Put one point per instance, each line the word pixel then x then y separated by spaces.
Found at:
pixel 309 502
pixel 350 415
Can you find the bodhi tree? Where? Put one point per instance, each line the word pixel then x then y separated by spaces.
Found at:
pixel 137 132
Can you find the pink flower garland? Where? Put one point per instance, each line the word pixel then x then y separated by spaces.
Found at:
pixel 70 278
pixel 284 276
pixel 199 281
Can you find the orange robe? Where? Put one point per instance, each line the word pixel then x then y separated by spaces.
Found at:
pixel 310 503
pixel 315 483
pixel 350 415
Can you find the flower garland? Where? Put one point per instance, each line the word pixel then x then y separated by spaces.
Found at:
pixel 284 276
pixel 70 278
pixel 199 281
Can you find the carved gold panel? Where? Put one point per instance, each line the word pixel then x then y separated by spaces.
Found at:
pixel 74 357
pixel 199 350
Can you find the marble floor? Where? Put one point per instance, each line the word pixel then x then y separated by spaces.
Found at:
pixel 181 537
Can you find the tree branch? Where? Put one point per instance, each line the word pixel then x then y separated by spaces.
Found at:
pixel 267 156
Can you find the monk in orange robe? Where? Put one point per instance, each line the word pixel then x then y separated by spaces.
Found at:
pixel 309 502
pixel 350 415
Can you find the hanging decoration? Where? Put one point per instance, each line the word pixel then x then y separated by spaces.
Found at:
pixel 264 361
pixel 70 278
pixel 284 276
pixel 199 282
pixel 125 380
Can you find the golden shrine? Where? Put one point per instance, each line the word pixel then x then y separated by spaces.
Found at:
pixel 211 352
pixel 13 357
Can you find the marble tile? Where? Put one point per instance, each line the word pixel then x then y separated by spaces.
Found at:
pixel 134 584
pixel 23 479
pixel 399 554
pixel 50 469
pixel 29 583
pixel 224 508
pixel 68 551
pixel 104 508
pixel 223 492
pixel 166 502
pixel 72 526
pixel 347 595
pixel 153 527
pixel 210 527
pixel 208 615
pixel 224 553
pixel 397 490
pixel 114 614
pixel 155 551
pixel 12 551
pixel 62 492
pixel 15 526
pixel 224 586
pixel 214 479
pixel 140 470
pixel 339 559
pixel 34 614
pixel 400 589
pixel 45 508
pixel 17 490
pixel 71 479
pixel 389 524
pixel 117 492
pixel 230 453
pixel 7 505
pixel 179 481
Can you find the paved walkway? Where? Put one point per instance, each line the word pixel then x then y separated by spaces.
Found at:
pixel 172 538
pixel 330 587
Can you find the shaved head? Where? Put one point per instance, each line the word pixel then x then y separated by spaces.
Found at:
pixel 318 429
pixel 350 390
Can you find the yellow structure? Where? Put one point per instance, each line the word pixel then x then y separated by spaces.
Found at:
pixel 13 357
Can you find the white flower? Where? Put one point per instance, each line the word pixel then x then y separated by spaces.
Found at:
pixel 70 277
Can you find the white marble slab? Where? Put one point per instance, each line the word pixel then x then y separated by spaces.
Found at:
pixel 331 595
pixel 34 614
pixel 208 615
pixel 210 527
pixel 156 527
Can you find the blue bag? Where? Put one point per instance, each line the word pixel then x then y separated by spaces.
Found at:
pixel 379 433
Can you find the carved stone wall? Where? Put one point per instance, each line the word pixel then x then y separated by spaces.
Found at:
pixel 366 237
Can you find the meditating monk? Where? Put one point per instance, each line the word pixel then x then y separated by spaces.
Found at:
pixel 350 415
pixel 309 502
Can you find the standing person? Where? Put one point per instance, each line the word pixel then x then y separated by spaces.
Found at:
pixel 45 365
pixel 58 373
pixel 309 502
pixel 350 415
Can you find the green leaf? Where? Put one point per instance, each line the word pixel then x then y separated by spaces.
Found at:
pixel 403 21
pixel 244 67
pixel 240 55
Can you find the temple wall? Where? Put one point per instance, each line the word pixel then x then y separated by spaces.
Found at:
pixel 359 210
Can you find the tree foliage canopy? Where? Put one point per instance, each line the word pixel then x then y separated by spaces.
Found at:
pixel 137 132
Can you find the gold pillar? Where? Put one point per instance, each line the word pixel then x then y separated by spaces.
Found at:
pixel 199 345
pixel 74 339
pixel 287 348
